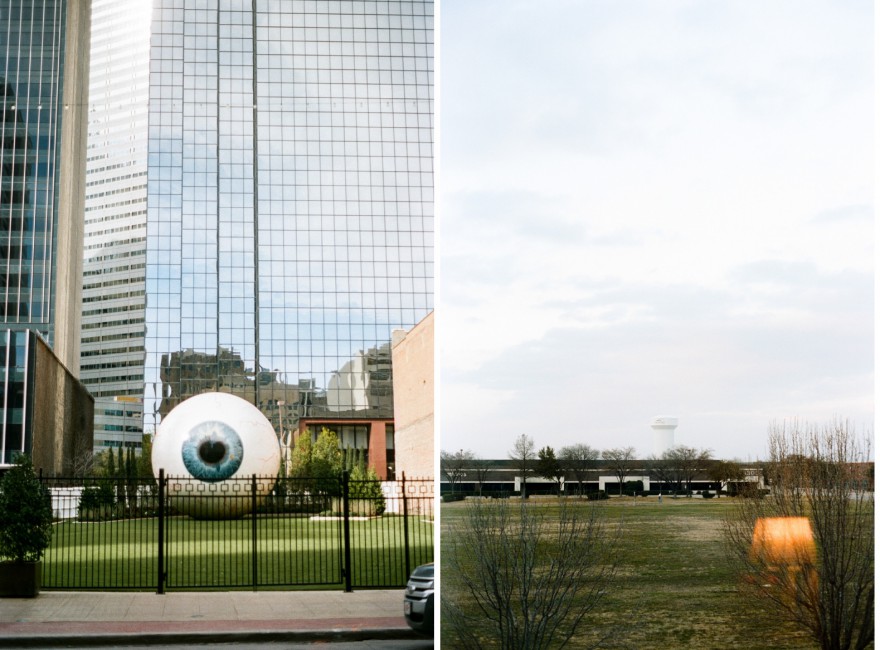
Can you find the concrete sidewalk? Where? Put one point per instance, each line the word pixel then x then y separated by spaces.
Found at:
pixel 130 618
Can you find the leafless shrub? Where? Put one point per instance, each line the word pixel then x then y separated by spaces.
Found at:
pixel 521 576
pixel 818 569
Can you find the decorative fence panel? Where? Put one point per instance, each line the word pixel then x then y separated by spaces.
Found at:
pixel 384 556
pixel 137 534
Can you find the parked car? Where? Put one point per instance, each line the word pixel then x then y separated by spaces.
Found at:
pixel 418 601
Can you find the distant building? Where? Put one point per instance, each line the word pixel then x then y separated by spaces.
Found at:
pixel 43 80
pixel 503 477
pixel 412 356
pixel 112 355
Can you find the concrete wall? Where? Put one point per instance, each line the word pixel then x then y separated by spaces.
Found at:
pixel 412 361
pixel 72 185
pixel 62 415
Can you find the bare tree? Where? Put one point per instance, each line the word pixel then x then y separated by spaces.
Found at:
pixel 660 470
pixel 523 455
pixel 685 463
pixel 454 466
pixel 619 460
pixel 479 470
pixel 806 550
pixel 577 460
pixel 524 576
pixel 83 463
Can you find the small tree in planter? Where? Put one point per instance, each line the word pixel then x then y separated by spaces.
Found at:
pixel 364 487
pixel 25 529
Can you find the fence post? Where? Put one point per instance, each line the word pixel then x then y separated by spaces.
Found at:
pixel 254 530
pixel 160 556
pixel 405 525
pixel 346 570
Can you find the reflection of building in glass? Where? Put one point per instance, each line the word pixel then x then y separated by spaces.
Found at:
pixel 362 385
pixel 290 203
pixel 43 67
pixel 187 373
pixel 291 407
pixel 112 356
pixel 46 413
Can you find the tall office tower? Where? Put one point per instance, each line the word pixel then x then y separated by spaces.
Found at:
pixel 290 207
pixel 112 357
pixel 43 75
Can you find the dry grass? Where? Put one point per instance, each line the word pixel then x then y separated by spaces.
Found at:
pixel 674 589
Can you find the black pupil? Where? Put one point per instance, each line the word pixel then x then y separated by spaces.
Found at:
pixel 212 451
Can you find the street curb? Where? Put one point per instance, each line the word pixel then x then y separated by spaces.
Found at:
pixel 249 636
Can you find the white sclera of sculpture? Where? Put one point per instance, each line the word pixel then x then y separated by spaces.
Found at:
pixel 210 446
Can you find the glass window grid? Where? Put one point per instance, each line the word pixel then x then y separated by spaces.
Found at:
pixel 32 46
pixel 358 198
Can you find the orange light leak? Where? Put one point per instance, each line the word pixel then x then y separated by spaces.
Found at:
pixel 784 541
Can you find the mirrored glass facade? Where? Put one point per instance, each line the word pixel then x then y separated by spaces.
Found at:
pixel 31 47
pixel 290 202
pixel 16 431
pixel 43 61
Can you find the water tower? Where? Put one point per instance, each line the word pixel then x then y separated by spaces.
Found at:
pixel 664 433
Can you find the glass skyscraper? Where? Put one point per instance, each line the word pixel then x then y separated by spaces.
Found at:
pixel 290 206
pixel 112 356
pixel 43 68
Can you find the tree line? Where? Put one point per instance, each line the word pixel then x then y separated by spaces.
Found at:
pixel 678 466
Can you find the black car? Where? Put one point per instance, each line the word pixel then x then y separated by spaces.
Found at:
pixel 418 601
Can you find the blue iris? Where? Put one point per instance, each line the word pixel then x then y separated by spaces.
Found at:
pixel 212 452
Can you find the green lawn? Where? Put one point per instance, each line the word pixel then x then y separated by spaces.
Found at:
pixel 674 589
pixel 291 551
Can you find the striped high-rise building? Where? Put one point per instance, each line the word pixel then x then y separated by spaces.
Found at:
pixel 112 357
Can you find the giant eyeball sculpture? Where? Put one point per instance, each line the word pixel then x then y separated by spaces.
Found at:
pixel 210 447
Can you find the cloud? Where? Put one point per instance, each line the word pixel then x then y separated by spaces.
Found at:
pixel 603 385
pixel 654 208
pixel 685 350
pixel 845 214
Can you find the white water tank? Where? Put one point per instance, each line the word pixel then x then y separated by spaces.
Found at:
pixel 664 433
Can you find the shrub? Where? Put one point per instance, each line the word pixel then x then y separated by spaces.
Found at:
pixel 97 501
pixel 25 513
pixel 366 486
pixel 632 488
pixel 533 592
pixel 452 497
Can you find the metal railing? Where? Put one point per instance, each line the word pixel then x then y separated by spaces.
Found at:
pixel 145 534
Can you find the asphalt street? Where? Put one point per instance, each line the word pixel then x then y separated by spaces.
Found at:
pixel 375 644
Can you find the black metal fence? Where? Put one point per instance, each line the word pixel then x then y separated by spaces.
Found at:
pixel 185 534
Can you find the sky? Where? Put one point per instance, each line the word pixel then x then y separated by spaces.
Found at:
pixel 653 209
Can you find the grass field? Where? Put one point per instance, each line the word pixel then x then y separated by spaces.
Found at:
pixel 674 589
pixel 291 551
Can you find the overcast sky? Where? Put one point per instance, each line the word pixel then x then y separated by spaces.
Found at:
pixel 653 208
